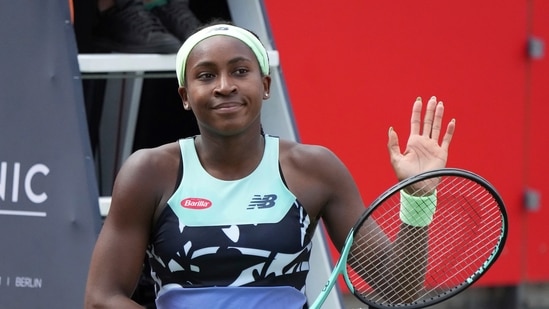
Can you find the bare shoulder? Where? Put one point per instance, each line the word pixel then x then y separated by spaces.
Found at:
pixel 324 185
pixel 147 177
pixel 150 166
pixel 310 158
pixel 153 159
pixel 314 174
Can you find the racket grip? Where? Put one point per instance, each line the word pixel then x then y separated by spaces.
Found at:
pixel 417 211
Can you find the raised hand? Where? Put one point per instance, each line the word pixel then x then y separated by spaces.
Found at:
pixel 423 150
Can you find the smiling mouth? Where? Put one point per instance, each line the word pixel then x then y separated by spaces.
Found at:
pixel 228 106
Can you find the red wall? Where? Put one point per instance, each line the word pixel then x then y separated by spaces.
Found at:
pixel 534 228
pixel 353 68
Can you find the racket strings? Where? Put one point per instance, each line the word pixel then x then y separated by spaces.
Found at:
pixel 463 234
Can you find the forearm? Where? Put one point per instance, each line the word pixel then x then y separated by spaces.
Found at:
pixel 408 258
pixel 404 269
pixel 410 249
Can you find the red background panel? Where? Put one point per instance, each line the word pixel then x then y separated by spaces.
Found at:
pixel 536 233
pixel 353 68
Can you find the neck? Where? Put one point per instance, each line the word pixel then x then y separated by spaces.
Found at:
pixel 230 157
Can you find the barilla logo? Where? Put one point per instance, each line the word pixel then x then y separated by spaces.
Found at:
pixel 196 203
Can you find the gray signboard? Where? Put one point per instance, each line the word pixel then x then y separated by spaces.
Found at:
pixel 49 216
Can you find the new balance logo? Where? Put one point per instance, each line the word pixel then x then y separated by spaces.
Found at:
pixel 260 202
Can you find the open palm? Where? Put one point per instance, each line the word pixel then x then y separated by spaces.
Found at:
pixel 423 150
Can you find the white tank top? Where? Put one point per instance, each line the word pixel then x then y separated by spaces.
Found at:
pixel 246 241
pixel 203 200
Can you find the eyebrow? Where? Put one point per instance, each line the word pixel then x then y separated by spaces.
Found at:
pixel 208 63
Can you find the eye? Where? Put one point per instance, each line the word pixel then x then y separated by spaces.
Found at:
pixel 241 71
pixel 205 76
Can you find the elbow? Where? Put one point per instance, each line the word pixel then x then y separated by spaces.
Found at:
pixel 94 301
pixel 103 300
pixel 90 304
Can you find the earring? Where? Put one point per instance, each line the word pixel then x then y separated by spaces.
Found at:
pixel 266 95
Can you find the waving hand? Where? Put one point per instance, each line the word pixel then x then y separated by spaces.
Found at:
pixel 423 151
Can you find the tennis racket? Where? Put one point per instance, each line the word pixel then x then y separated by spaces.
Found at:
pixel 387 263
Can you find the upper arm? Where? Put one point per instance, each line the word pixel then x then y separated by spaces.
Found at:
pixel 326 188
pixel 119 252
pixel 344 203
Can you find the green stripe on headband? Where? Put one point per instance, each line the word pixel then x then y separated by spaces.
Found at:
pixel 243 35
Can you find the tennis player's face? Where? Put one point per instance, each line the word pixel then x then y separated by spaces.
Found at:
pixel 224 85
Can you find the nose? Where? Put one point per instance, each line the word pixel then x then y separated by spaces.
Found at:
pixel 225 85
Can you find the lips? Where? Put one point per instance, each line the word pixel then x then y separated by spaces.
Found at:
pixel 228 107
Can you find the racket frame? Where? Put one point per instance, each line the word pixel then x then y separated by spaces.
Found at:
pixel 341 264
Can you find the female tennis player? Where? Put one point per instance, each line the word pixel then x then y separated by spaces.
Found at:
pixel 226 217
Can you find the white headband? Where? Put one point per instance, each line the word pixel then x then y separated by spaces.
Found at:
pixel 243 35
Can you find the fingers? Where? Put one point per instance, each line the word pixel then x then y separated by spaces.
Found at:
pixel 392 145
pixel 415 122
pixel 449 134
pixel 432 121
pixel 429 116
pixel 437 123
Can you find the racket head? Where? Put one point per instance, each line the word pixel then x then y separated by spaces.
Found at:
pixel 466 236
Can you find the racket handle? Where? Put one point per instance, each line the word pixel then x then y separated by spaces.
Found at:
pixel 417 211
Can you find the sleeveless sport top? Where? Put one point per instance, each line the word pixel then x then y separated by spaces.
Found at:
pixel 231 244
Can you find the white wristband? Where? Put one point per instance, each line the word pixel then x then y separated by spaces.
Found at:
pixel 417 211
